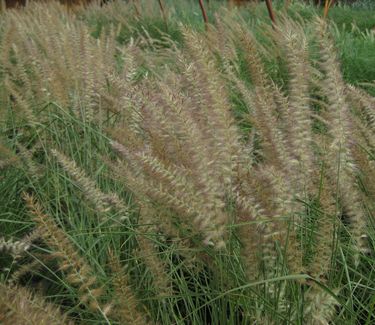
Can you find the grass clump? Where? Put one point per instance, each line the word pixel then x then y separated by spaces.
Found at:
pixel 151 178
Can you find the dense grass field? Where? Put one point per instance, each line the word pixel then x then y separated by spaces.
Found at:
pixel 157 170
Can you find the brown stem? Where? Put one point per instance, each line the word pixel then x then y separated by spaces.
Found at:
pixel 270 12
pixel 327 5
pixel 136 8
pixel 162 9
pixel 287 4
pixel 204 14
